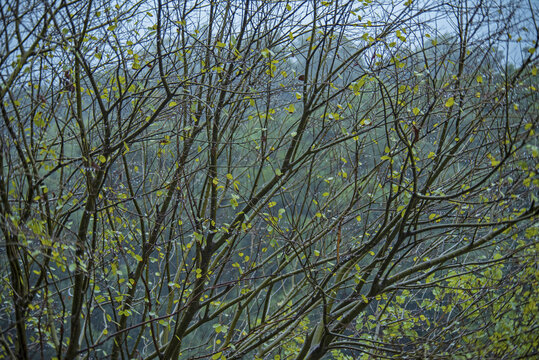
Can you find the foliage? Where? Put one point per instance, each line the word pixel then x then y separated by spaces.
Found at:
pixel 269 179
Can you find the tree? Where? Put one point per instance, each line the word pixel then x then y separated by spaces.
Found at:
pixel 256 179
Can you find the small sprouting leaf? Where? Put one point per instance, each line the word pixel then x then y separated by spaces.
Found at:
pixel 278 172
pixel 450 102
pixel 357 85
pixel 234 201
pixel 493 161
pixel 415 111
pixel 172 104
pixel 198 237
pixel 479 79
pixel 291 109
pixel 267 53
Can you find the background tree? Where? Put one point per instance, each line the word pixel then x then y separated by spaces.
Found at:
pixel 255 179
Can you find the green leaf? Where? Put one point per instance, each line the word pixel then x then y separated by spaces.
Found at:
pixel 291 109
pixel 267 53
pixel 172 104
pixel 450 102
pixel 532 232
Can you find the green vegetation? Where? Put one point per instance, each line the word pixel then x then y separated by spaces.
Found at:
pixel 269 179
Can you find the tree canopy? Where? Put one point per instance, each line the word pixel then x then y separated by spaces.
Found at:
pixel 286 179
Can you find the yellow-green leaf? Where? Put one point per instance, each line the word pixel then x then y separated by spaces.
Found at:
pixel 291 108
pixel 450 102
